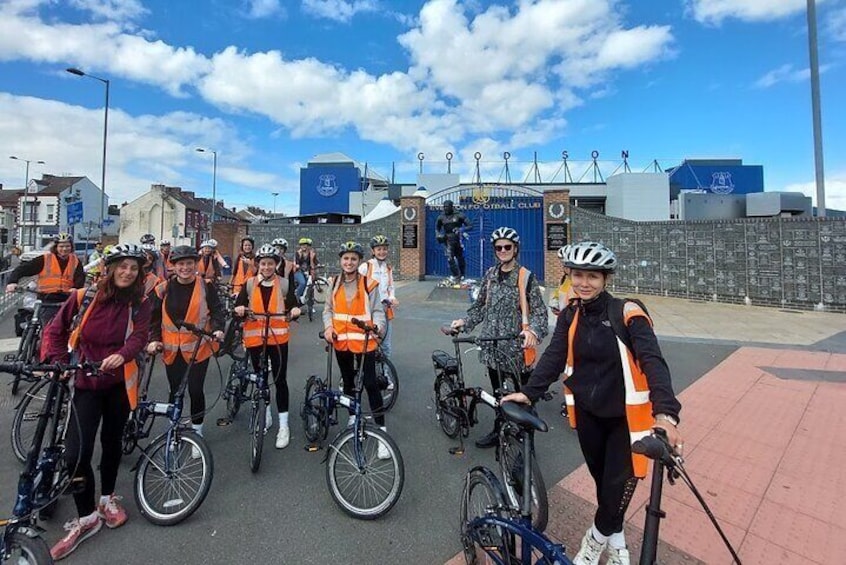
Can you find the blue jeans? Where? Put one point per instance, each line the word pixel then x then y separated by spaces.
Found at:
pixel 300 280
pixel 386 341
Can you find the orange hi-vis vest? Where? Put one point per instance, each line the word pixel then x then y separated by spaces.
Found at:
pixel 130 368
pixel 179 339
pixel 204 271
pixel 243 273
pixel 638 405
pixel 277 333
pixel 530 354
pixel 389 311
pixel 350 336
pixel 52 279
pixel 151 281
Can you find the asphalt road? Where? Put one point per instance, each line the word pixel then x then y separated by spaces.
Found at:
pixel 284 513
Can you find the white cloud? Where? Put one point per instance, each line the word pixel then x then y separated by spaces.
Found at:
pixel 715 11
pixel 786 73
pixel 115 10
pixel 836 24
pixel 141 149
pixel 835 190
pixel 339 10
pixel 257 9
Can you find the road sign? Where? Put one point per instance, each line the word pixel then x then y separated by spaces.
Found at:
pixel 108 221
pixel 74 213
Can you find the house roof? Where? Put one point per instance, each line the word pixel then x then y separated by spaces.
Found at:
pixel 9 198
pixel 51 185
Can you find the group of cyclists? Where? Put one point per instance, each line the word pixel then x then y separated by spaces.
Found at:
pixel 617 384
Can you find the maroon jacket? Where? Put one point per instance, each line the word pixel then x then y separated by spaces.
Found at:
pixel 104 333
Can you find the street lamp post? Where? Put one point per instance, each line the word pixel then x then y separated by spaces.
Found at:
pixel 819 168
pixel 34 198
pixel 80 73
pixel 275 194
pixel 214 185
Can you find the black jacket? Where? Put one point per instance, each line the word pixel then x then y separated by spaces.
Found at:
pixel 597 380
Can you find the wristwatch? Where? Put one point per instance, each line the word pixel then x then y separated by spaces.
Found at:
pixel 666 418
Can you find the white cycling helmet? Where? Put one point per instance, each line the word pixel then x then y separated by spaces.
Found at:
pixel 591 256
pixel 213 243
pixel 280 242
pixel 125 251
pixel 505 233
pixel 267 251
pixel 563 251
pixel 205 243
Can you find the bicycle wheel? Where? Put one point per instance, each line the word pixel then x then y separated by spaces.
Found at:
pixel 258 419
pixel 321 290
pixel 314 414
pixel 483 496
pixel 446 406
pixel 24 354
pixel 369 490
pixel 25 419
pixel 170 482
pixel 511 466
pixel 386 375
pixel 234 389
pixel 27 549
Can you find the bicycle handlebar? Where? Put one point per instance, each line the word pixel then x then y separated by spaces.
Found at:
pixel 287 315
pixel 194 329
pixel 655 447
pixel 364 325
pixel 21 368
pixel 453 332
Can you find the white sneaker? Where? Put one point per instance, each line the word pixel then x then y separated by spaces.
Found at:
pixel 283 436
pixel 383 452
pixel 590 552
pixel 618 556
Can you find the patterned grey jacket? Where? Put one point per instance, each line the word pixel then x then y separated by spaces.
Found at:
pixel 497 309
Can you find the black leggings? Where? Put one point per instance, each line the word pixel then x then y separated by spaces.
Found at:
pixel 91 406
pixel 496 383
pixel 278 357
pixel 348 362
pixel 196 381
pixel 608 454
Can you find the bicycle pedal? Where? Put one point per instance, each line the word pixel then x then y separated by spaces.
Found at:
pixel 456 451
pixel 312 447
pixel 10 357
pixel 223 422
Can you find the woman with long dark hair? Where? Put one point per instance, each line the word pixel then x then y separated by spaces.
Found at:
pixel 107 323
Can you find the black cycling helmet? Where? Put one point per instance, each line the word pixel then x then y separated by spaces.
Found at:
pixel 125 251
pixel 148 238
pixel 378 240
pixel 351 247
pixel 183 252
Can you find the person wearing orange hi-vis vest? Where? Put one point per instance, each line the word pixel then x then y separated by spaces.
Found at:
pixel 186 297
pixel 244 265
pixel 618 389
pixel 378 268
pixel 509 302
pixel 109 323
pixel 151 278
pixel 356 296
pixel 269 293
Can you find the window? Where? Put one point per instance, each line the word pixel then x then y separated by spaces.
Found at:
pixel 30 211
pixel 51 208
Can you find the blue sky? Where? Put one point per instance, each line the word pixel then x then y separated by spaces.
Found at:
pixel 271 83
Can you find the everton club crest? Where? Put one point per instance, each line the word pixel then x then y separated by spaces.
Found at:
pixel 327 185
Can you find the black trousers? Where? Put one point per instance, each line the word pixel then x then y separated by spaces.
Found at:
pixel 496 381
pixel 91 406
pixel 608 454
pixel 277 356
pixel 348 362
pixel 196 383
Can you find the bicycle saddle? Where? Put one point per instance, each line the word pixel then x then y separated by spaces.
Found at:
pixel 524 417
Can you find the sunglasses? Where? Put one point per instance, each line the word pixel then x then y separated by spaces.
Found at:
pixel 507 247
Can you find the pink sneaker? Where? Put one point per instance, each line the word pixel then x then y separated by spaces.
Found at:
pixel 79 530
pixel 112 512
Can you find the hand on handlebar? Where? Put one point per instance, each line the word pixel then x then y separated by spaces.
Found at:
pixel 113 361
pixel 155 347
pixel 517 397
pixel 330 336
pixel 529 339
pixel 674 438
pixel 11 287
pixel 240 311
pixel 457 324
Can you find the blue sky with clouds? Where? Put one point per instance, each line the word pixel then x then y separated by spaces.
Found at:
pixel 270 83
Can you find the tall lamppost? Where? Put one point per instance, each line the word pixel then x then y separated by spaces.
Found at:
pixel 815 107
pixel 214 185
pixel 34 198
pixel 275 194
pixel 80 73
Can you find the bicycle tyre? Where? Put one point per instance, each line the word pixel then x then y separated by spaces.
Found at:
pixel 25 414
pixel 24 354
pixel 153 462
pixel 365 500
pixel 321 290
pixel 309 303
pixel 386 375
pixel 314 414
pixel 234 389
pixel 511 467
pixel 258 420
pixel 450 424
pixel 28 548
pixel 483 495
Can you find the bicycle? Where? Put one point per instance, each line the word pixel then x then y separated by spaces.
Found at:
pixel 247 386
pixel 44 476
pixel 507 537
pixel 455 407
pixel 388 379
pixel 25 420
pixel 174 472
pixel 30 343
pixel 361 484
pixel 316 289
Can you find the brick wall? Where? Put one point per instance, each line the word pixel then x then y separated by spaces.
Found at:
pixel 556 210
pixel 329 237
pixel 413 260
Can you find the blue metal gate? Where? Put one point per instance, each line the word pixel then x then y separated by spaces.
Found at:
pixel 487 208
